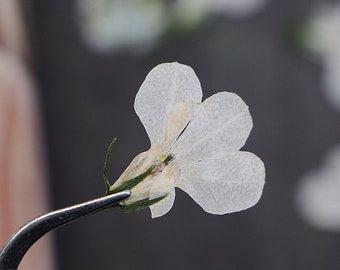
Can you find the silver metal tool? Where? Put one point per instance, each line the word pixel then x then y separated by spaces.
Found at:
pixel 22 240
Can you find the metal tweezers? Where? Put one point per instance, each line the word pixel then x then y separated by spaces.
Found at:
pixel 22 240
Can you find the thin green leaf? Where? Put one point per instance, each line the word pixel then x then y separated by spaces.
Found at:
pixel 106 166
pixel 140 205
pixel 128 185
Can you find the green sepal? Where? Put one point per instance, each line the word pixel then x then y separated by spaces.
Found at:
pixel 106 166
pixel 139 205
pixel 128 185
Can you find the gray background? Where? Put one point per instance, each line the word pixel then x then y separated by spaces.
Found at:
pixel 87 99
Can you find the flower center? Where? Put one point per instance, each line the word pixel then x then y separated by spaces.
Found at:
pixel 164 161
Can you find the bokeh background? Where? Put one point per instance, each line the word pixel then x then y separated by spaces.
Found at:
pixel 87 93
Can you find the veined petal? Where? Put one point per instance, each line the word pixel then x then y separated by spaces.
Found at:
pixel 221 125
pixel 226 185
pixel 163 185
pixel 162 207
pixel 166 101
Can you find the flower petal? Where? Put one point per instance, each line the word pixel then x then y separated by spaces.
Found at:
pixel 163 185
pixel 222 125
pixel 226 185
pixel 166 101
pixel 162 207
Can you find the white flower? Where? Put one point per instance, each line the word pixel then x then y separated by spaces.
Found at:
pixel 318 194
pixel 194 146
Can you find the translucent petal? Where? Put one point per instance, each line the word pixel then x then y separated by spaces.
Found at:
pixel 163 184
pixel 222 125
pixel 226 185
pixel 166 101
pixel 139 165
pixel 162 207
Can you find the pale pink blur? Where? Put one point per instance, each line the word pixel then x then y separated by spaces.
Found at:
pixel 22 167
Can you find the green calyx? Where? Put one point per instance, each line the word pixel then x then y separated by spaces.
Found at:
pixel 129 184
pixel 139 205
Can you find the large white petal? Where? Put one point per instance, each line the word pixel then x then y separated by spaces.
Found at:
pixel 226 185
pixel 166 101
pixel 221 125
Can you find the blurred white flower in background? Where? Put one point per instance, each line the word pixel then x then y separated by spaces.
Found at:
pixel 323 39
pixel 119 24
pixel 137 25
pixel 318 194
pixel 194 146
pixel 194 11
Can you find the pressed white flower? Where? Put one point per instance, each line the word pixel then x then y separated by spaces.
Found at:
pixel 194 146
pixel 318 194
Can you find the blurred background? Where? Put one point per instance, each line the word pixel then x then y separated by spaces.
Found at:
pixel 88 59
